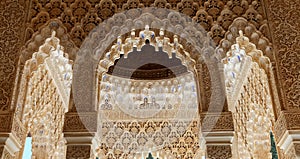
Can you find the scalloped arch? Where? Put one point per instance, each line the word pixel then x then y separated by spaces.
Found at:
pixel 250 31
pixel 191 34
pixel 110 56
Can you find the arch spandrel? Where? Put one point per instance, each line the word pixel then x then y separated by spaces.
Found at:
pixel 38 38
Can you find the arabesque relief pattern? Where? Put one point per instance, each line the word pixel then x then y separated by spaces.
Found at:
pixel 285 26
pixel 81 16
pixel 11 28
pixel 170 139
pixel 78 17
pixel 136 116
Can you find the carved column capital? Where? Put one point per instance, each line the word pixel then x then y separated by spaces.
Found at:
pixel 217 122
pixel 287 121
pixel 287 131
pixel 80 122
pixel 219 151
pixel 79 145
pixel 78 151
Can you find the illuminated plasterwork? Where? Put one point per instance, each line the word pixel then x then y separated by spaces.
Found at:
pixel 137 116
pixel 248 94
pixel 47 99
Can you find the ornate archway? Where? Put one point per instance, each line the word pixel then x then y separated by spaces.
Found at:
pixel 190 36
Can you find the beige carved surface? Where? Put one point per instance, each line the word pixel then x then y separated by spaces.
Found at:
pixel 6 120
pixel 205 85
pixel 122 139
pixel 197 38
pixel 158 41
pixel 18 130
pixel 136 116
pixel 255 36
pixel 284 23
pixel 214 16
pixel 81 16
pixel 12 17
pixel 297 148
pixel 290 153
pixel 83 123
pixel 288 120
pixel 6 154
pixel 1 149
pixel 280 126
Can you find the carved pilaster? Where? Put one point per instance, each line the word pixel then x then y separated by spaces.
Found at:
pixel 284 25
pixel 219 151
pixel 11 30
pixel 10 136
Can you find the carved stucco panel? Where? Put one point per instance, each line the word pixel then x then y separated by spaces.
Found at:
pixel 12 18
pixel 284 21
